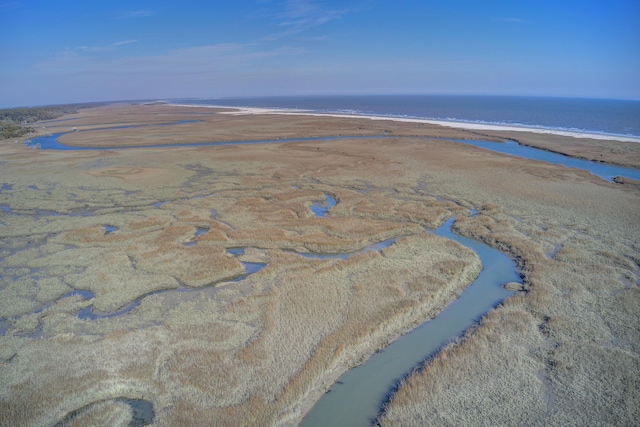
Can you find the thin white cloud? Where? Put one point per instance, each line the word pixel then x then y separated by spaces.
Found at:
pixel 107 48
pixel 297 16
pixel 218 59
pixel 123 43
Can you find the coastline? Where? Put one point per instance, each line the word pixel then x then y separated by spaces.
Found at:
pixel 277 335
pixel 451 124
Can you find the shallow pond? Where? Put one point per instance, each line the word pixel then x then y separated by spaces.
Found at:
pixel 320 209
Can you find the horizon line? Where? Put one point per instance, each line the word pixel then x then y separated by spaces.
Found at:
pixel 116 101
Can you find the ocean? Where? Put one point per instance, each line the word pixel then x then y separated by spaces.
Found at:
pixel 592 116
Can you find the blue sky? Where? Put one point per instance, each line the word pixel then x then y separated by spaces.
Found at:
pixel 95 50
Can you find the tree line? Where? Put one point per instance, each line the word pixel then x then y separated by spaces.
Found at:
pixel 15 122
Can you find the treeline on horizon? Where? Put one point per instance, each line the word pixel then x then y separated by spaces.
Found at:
pixel 14 122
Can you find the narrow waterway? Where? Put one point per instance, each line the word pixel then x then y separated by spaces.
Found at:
pixel 604 171
pixel 357 397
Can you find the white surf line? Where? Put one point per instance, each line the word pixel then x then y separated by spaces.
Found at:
pixel 456 125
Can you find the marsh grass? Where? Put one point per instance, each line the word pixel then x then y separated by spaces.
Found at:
pixel 576 362
pixel 261 351
pixel 510 394
pixel 107 413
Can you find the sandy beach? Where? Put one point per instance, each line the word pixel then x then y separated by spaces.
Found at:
pixel 452 124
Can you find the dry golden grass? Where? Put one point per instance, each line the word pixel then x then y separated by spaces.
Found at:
pixel 577 360
pixel 261 351
pixel 215 127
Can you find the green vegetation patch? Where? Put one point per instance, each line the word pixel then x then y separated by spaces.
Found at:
pixel 14 122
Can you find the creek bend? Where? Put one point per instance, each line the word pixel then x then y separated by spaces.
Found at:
pixel 356 398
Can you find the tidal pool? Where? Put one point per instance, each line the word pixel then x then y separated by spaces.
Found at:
pixel 357 397
pixel 320 209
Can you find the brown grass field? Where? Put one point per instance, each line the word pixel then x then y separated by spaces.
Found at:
pixel 207 350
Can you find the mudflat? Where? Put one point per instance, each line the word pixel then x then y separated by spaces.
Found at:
pixel 157 230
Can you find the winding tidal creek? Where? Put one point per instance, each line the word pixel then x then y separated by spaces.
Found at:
pixel 358 396
pixel 602 170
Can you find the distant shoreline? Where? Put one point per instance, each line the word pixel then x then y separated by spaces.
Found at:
pixel 451 124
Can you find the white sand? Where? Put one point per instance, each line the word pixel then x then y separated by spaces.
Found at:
pixel 458 125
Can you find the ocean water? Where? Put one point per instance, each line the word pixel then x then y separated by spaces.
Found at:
pixel 596 116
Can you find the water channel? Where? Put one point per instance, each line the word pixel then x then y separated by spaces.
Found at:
pixel 605 171
pixel 358 395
